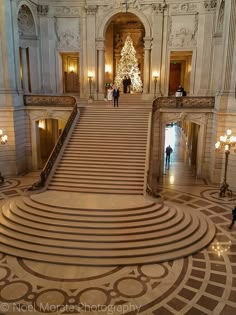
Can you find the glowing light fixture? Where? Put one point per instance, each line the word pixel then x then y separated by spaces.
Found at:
pixel 108 68
pixel 4 139
pixel 226 142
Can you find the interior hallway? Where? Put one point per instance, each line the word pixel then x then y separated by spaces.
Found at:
pixel 204 283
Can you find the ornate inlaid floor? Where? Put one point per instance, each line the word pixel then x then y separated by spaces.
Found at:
pixel 204 283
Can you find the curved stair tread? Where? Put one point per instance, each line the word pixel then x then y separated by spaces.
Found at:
pixel 158 224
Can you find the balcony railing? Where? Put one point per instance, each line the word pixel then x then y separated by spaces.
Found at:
pixel 184 102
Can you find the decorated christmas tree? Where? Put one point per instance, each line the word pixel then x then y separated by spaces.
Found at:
pixel 128 66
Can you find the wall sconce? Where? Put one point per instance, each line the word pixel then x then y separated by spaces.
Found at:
pixel 42 124
pixel 108 68
pixel 90 77
pixel 3 139
pixel 71 69
pixel 155 77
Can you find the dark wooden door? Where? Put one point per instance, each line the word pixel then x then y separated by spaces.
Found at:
pixel 175 77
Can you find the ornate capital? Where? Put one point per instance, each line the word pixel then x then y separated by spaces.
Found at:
pixel 210 4
pixel 100 45
pixel 147 42
pixel 159 7
pixel 91 9
pixel 42 9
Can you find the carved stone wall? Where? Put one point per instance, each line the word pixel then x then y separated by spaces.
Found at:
pixel 26 24
pixel 67 33
pixel 182 28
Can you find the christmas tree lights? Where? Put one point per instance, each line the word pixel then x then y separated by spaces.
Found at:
pixel 128 66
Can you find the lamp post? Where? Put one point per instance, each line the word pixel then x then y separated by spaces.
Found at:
pixel 3 139
pixel 155 77
pixel 227 141
pixel 90 77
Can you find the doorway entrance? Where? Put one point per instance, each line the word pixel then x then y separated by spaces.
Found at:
pixel 47 134
pixel 182 138
pixel 180 71
pixel 70 68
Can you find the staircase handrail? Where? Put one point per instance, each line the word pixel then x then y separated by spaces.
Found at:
pixel 56 150
pixel 149 189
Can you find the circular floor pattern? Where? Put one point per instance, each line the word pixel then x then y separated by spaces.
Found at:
pixel 195 285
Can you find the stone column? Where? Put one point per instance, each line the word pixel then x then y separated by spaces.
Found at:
pixel 10 84
pixel 25 70
pixel 205 53
pixel 226 99
pixel 45 49
pixel 146 74
pixel 225 116
pixel 91 47
pixel 12 117
pixel 101 67
pixel 157 45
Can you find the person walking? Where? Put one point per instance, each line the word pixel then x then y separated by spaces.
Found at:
pixel 169 150
pixel 233 217
pixel 115 94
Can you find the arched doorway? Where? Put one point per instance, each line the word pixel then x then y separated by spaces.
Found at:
pixel 28 49
pixel 120 26
pixel 182 138
pixel 47 134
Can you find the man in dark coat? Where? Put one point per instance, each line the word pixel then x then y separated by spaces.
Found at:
pixel 115 94
pixel 233 217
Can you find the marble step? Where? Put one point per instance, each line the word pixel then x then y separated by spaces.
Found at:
pixel 101 171
pixel 97 177
pixel 20 219
pixel 70 249
pixel 97 190
pixel 103 157
pixel 109 164
pixel 100 153
pixel 88 214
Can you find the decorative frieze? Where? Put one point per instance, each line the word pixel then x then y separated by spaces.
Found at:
pixel 184 8
pixel 42 9
pixel 67 11
pixel 210 4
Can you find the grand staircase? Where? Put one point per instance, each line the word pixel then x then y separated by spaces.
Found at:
pixel 94 212
pixel 106 152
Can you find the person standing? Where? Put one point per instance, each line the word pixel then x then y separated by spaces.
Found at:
pixel 116 94
pixel 109 94
pixel 128 84
pixel 233 217
pixel 125 84
pixel 169 150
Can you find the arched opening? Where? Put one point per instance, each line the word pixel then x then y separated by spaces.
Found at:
pixel 47 134
pixel 182 138
pixel 121 25
pixel 27 49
